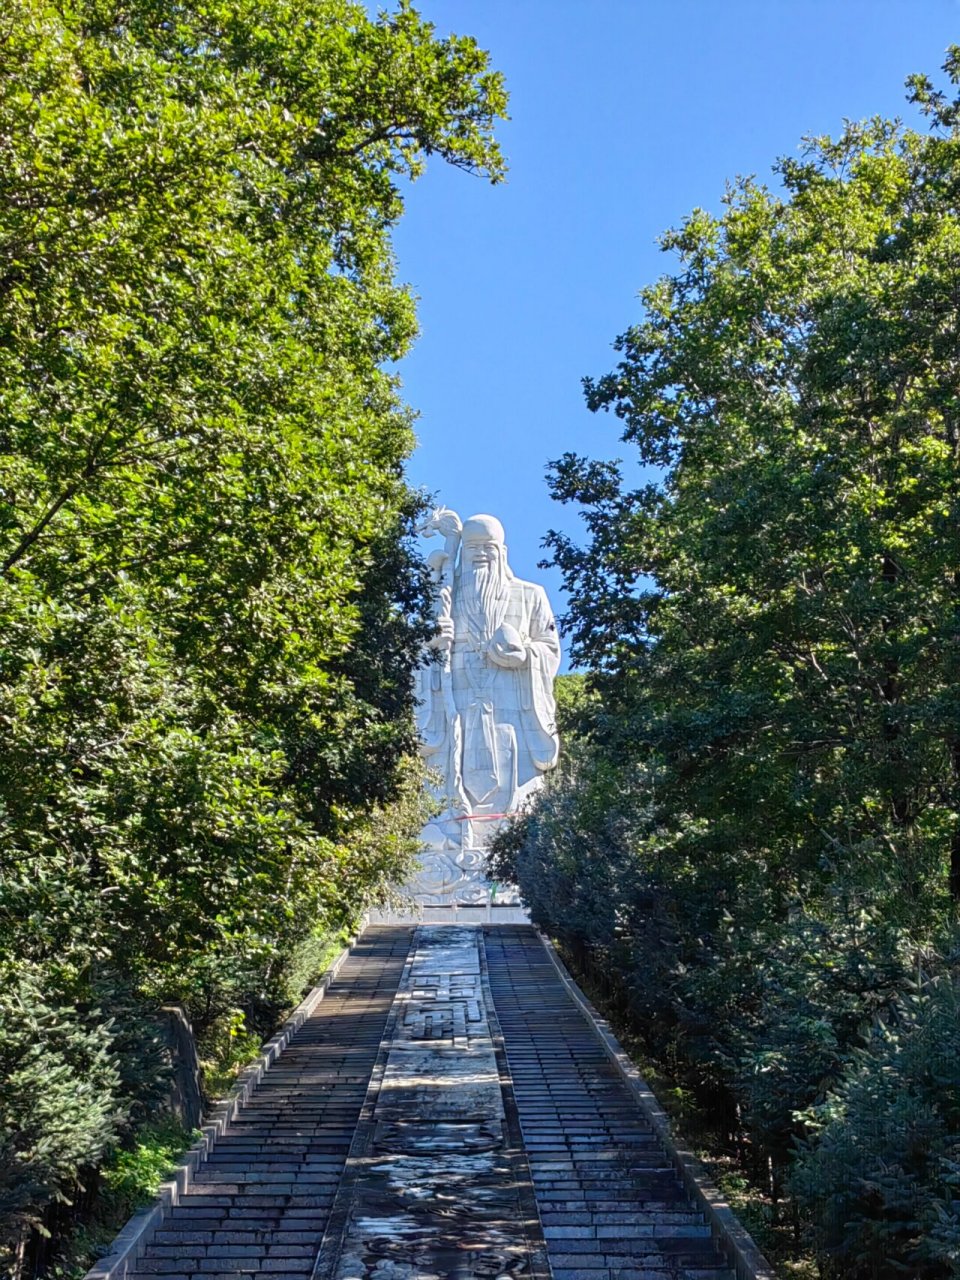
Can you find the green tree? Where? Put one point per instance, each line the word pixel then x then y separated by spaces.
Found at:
pixel 795 658
pixel 772 629
pixel 209 609
pixel 882 1171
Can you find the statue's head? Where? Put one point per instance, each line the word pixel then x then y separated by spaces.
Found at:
pixel 482 542
pixel 484 574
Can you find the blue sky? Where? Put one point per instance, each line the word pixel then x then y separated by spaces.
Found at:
pixel 625 115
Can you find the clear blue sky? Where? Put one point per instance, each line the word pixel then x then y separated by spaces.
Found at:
pixel 625 115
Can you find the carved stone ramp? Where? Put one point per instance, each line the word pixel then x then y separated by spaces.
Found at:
pixel 259 1204
pixel 436 1184
pixel 611 1201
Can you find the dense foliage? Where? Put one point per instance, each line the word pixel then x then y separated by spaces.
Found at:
pixel 208 609
pixel 760 835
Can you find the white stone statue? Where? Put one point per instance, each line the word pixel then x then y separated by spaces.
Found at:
pixel 486 715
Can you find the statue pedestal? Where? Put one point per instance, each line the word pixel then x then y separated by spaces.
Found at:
pixel 453 867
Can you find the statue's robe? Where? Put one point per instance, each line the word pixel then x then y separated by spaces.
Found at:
pixel 438 726
pixel 506 733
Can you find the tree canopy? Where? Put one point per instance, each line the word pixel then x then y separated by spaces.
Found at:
pixel 772 632
pixel 209 611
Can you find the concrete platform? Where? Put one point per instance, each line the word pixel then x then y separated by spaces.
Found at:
pixel 513 913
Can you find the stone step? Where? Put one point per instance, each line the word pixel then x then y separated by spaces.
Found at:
pixel 610 1201
pixel 258 1206
pixel 668 1272
pixel 623 1217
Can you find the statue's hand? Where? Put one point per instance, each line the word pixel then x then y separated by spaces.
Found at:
pixel 506 648
pixel 442 638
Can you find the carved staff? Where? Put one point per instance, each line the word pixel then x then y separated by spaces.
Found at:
pixel 446 522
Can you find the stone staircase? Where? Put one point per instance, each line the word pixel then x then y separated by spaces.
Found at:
pixel 446 1110
pixel 259 1204
pixel 610 1200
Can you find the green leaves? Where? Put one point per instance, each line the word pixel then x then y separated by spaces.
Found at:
pixel 209 605
pixel 764 831
pixel 58 1097
pixel 878 1177
pixel 793 379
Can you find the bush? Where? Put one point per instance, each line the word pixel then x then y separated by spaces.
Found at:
pixel 59 1106
pixel 879 1180
pixel 128 1180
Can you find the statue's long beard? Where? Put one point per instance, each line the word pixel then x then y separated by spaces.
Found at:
pixel 483 596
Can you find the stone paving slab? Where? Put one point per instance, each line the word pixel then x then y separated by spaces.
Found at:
pixel 449 1110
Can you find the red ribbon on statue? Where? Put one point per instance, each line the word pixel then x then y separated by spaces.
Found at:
pixel 482 817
